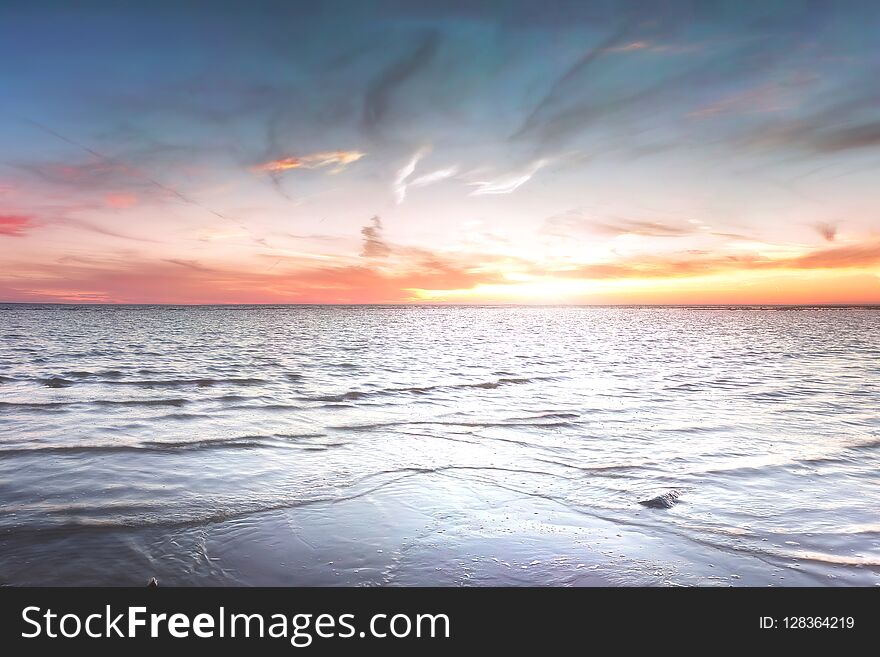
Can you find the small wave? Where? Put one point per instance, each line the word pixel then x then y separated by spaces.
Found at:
pixel 111 374
pixel 348 396
pixel 548 416
pixel 858 560
pixel 34 405
pixel 264 407
pixel 185 416
pixel 353 395
pixel 56 382
pixel 872 443
pixel 207 443
pixel 97 402
pixel 254 441
pixel 452 423
pixel 77 374
pixel 141 402
pixel 201 383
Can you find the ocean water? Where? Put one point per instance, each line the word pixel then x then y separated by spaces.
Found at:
pixel 324 445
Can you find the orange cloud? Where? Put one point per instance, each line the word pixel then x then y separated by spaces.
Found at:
pixel 852 256
pixel 14 225
pixel 842 274
pixel 337 159
pixel 186 281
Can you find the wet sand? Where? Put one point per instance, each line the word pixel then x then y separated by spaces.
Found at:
pixel 422 530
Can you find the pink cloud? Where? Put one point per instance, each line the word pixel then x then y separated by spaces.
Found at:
pixel 120 200
pixel 14 225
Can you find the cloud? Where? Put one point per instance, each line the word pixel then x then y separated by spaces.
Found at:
pixel 129 280
pixel 105 170
pixel 769 97
pixel 434 177
pixel 574 104
pixel 866 135
pixel 403 179
pixel 399 185
pixel 509 183
pixel 630 47
pixel 15 225
pixel 852 256
pixel 826 230
pixel 577 221
pixel 188 264
pixel 561 86
pixel 92 175
pixel 380 90
pixel 103 230
pixel 834 128
pixel 121 200
pixel 374 246
pixel 865 254
pixel 339 160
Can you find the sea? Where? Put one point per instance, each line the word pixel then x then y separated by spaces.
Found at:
pixel 439 445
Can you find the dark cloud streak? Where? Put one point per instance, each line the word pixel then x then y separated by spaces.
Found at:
pixel 378 95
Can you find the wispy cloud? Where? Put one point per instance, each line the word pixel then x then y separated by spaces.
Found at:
pixel 836 127
pixel 827 230
pixel 378 96
pixel 14 225
pixel 769 97
pixel 104 168
pixel 339 160
pixel 579 221
pixel 560 88
pixel 399 184
pixel 121 200
pixel 509 183
pixel 852 256
pixel 434 176
pixel 630 47
pixel 103 230
pixel 374 245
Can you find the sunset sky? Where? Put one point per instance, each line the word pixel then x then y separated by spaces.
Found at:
pixel 533 152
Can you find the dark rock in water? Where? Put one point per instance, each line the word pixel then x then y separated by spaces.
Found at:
pixel 56 382
pixel 153 583
pixel 664 501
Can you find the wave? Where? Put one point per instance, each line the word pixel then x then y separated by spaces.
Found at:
pixel 56 382
pixel 354 395
pixel 115 377
pixel 253 441
pixel 452 423
pixel 201 383
pixel 264 407
pixel 96 402
pixel 141 402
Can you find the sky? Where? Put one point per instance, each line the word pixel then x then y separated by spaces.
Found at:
pixel 440 152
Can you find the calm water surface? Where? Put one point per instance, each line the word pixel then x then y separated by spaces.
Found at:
pixel 438 445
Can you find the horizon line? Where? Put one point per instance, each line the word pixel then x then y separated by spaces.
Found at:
pixel 453 305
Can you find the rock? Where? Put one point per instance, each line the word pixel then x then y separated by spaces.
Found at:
pixel 664 501
pixel 153 583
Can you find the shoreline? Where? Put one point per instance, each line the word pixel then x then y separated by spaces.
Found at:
pixel 424 531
